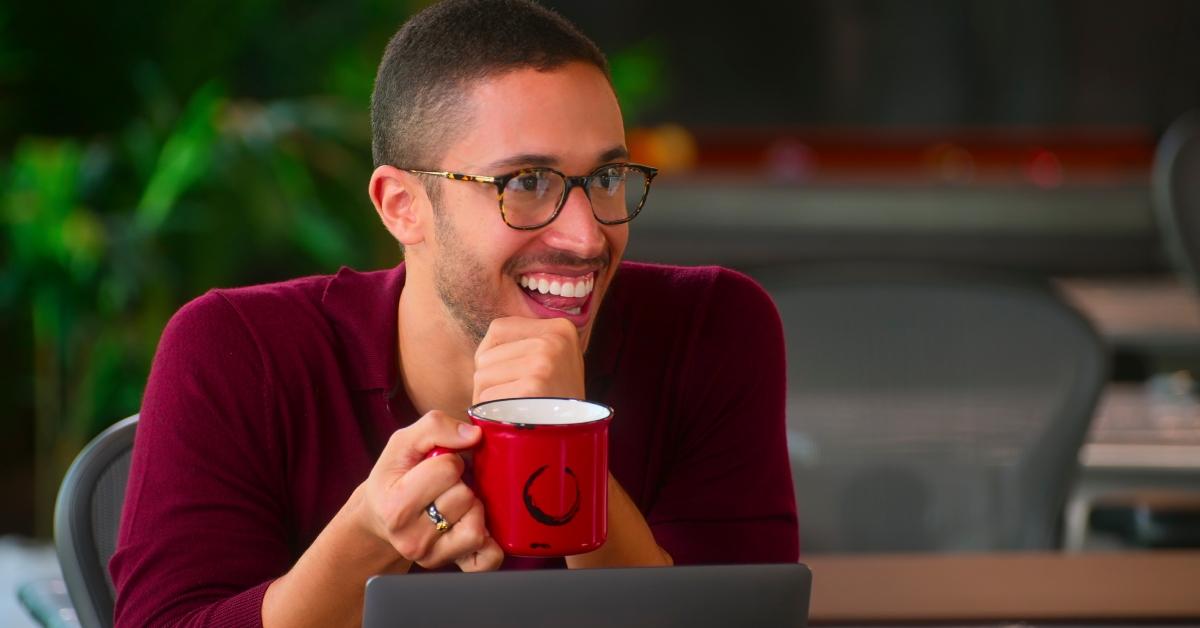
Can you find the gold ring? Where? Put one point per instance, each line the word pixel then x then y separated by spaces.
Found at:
pixel 439 522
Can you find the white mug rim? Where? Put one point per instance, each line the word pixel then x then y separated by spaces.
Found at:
pixel 608 412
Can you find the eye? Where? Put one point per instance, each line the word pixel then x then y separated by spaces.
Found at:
pixel 530 182
pixel 610 179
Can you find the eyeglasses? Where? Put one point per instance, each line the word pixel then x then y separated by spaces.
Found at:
pixel 532 198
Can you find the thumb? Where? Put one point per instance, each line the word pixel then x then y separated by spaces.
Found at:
pixel 409 446
pixel 467 436
pixel 438 430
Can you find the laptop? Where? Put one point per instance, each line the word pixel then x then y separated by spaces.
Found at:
pixel 774 596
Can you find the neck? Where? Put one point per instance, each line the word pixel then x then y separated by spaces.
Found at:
pixel 437 363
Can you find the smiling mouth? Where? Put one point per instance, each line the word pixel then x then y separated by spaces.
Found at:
pixel 561 293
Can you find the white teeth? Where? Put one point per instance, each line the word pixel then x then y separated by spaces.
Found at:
pixel 578 289
pixel 575 311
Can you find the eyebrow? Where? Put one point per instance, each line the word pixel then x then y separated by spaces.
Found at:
pixel 537 159
pixel 616 152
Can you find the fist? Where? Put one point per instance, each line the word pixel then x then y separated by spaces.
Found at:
pixel 529 357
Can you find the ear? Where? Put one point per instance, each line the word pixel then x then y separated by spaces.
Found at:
pixel 401 202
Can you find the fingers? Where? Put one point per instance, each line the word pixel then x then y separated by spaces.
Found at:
pixel 508 329
pixel 487 558
pixel 523 357
pixel 515 390
pixel 467 536
pixel 521 375
pixel 398 507
pixel 408 447
pixel 453 505
pixel 403 483
pixel 537 345
pixel 426 482
pixel 438 429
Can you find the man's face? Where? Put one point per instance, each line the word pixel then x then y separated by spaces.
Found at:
pixel 567 119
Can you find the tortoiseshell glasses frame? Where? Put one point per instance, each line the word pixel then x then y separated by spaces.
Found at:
pixel 543 178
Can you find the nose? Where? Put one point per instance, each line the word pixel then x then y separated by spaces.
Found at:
pixel 576 230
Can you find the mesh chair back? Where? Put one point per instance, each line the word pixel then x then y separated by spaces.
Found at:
pixel 929 412
pixel 1176 193
pixel 86 518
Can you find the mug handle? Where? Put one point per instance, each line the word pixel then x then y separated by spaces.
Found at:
pixel 439 451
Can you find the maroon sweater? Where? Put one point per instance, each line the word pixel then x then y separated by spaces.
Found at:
pixel 267 405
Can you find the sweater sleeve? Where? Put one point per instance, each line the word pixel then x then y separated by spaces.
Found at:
pixel 202 531
pixel 728 496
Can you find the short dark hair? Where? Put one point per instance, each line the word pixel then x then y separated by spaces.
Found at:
pixel 416 105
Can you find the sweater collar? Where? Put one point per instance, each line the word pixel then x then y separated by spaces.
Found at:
pixel 362 308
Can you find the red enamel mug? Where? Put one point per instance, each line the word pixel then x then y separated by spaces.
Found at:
pixel 541 471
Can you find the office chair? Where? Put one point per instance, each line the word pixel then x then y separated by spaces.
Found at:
pixel 1175 192
pixel 932 410
pixel 87 515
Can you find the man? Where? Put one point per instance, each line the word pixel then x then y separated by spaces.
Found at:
pixel 281 455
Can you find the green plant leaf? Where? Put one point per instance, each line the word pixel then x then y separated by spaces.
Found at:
pixel 43 189
pixel 639 78
pixel 184 159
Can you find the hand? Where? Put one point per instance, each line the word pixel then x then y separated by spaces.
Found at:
pixel 402 485
pixel 529 357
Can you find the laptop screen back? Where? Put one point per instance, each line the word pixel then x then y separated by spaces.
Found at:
pixel 695 597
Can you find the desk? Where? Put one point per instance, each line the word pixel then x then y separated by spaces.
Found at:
pixel 1155 314
pixel 1126 586
pixel 1142 440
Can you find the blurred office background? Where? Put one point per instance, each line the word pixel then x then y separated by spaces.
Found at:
pixel 150 151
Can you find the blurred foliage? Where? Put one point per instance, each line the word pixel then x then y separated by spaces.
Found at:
pixel 151 151
pixel 640 79
pixel 212 144
pixel 107 237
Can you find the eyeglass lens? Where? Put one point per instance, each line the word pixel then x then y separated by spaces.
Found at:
pixel 532 197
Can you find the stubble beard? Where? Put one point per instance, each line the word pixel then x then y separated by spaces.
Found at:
pixel 457 277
